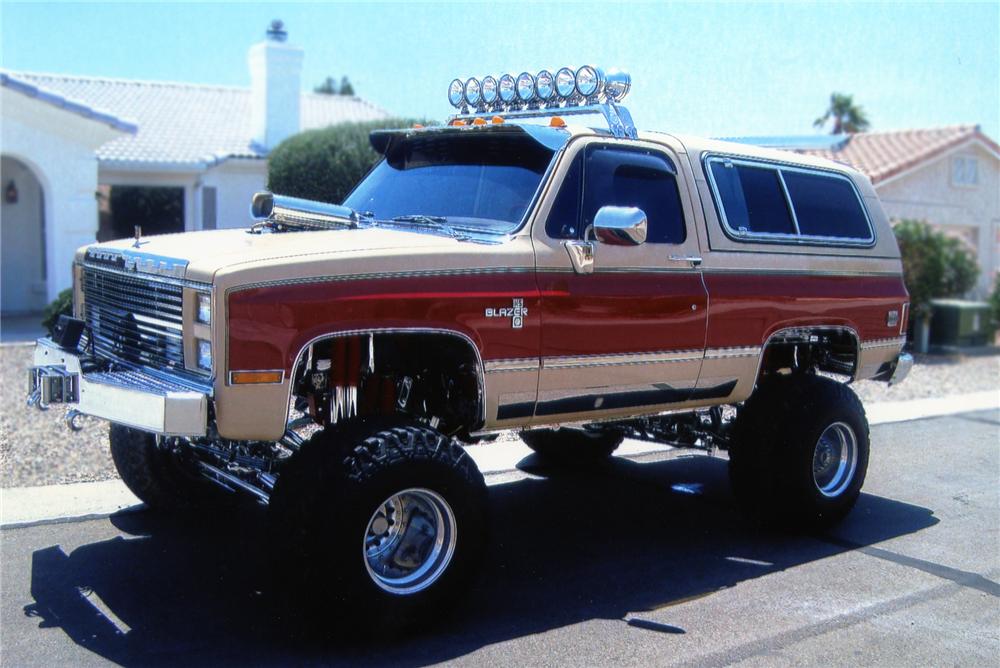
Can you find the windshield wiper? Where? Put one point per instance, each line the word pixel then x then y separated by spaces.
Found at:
pixel 420 218
pixel 433 222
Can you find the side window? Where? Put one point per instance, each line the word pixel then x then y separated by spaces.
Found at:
pixel 825 206
pixel 786 204
pixel 603 176
pixel 564 218
pixel 643 179
pixel 752 199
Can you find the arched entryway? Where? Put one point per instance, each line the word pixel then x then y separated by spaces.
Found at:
pixel 22 239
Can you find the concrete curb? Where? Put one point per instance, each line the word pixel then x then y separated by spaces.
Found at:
pixel 29 506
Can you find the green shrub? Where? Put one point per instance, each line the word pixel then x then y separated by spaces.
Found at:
pixel 326 164
pixel 63 304
pixel 934 265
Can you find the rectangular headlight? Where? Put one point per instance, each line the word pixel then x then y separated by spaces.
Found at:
pixel 205 308
pixel 204 354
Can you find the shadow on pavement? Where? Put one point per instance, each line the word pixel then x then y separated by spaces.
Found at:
pixel 579 545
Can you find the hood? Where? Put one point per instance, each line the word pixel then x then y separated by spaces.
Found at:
pixel 197 256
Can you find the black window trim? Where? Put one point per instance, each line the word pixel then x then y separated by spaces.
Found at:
pixel 797 239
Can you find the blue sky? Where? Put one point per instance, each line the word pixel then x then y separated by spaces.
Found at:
pixel 699 68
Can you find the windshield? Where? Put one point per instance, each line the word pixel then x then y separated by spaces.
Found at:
pixel 481 181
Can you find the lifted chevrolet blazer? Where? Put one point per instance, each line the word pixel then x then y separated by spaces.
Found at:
pixel 508 270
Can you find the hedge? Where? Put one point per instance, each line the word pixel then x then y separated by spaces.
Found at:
pixel 326 164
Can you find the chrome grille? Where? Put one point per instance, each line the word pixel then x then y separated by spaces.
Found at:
pixel 134 319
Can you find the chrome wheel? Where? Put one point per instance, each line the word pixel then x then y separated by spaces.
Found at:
pixel 409 541
pixel 835 459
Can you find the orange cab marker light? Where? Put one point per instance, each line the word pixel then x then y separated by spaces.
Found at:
pixel 557 122
pixel 255 377
pixel 498 120
pixel 417 126
pixel 479 121
pixel 458 122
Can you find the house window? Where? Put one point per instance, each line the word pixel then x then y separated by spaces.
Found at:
pixel 964 171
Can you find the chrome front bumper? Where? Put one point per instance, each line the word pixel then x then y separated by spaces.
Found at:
pixel 130 397
pixel 902 370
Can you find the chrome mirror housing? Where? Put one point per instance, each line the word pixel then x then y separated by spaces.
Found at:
pixel 620 225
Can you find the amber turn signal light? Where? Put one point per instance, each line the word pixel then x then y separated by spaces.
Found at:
pixel 254 377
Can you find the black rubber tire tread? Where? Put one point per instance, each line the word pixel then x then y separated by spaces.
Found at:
pixel 771 457
pixel 320 508
pixel 154 475
pixel 566 446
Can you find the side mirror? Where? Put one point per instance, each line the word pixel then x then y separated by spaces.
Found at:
pixel 620 225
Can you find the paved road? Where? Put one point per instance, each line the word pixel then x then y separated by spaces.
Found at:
pixel 640 563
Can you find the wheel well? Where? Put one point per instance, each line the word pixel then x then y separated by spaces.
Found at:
pixel 435 377
pixel 834 350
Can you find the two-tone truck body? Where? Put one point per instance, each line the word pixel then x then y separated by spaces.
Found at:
pixel 492 274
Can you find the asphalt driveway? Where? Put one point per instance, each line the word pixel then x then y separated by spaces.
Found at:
pixel 637 563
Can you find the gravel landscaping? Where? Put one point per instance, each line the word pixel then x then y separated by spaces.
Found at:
pixel 36 448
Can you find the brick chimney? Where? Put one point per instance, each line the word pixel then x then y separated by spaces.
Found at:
pixel 275 87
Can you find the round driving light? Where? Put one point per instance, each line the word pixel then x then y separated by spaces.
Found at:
pixel 456 91
pixel 525 87
pixel 544 85
pixel 565 83
pixel 588 81
pixel 473 92
pixel 508 88
pixel 489 90
pixel 617 85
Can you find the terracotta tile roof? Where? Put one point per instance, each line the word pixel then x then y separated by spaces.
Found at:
pixel 186 124
pixel 881 155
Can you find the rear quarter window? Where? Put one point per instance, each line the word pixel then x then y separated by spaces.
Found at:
pixel 777 203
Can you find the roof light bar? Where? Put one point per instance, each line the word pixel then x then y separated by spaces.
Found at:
pixel 587 89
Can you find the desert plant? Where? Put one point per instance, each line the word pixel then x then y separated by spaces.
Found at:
pixel 61 305
pixel 326 164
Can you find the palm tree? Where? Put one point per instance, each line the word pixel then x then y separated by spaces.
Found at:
pixel 847 116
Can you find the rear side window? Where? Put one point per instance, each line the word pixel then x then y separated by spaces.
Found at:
pixel 826 207
pixel 610 176
pixel 772 202
pixel 753 199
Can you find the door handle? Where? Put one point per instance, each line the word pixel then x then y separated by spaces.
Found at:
pixel 581 254
pixel 695 260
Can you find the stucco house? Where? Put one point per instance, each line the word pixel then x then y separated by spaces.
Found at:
pixel 949 177
pixel 68 141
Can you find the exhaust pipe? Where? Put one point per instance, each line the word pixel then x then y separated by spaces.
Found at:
pixel 269 207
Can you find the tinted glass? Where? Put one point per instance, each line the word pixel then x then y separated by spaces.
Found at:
pixel 480 181
pixel 826 206
pixel 613 177
pixel 564 218
pixel 753 199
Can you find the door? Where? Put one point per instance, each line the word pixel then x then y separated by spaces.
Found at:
pixel 629 337
pixel 22 240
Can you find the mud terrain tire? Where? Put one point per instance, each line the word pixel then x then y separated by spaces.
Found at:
pixel 329 505
pixel 154 475
pixel 799 452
